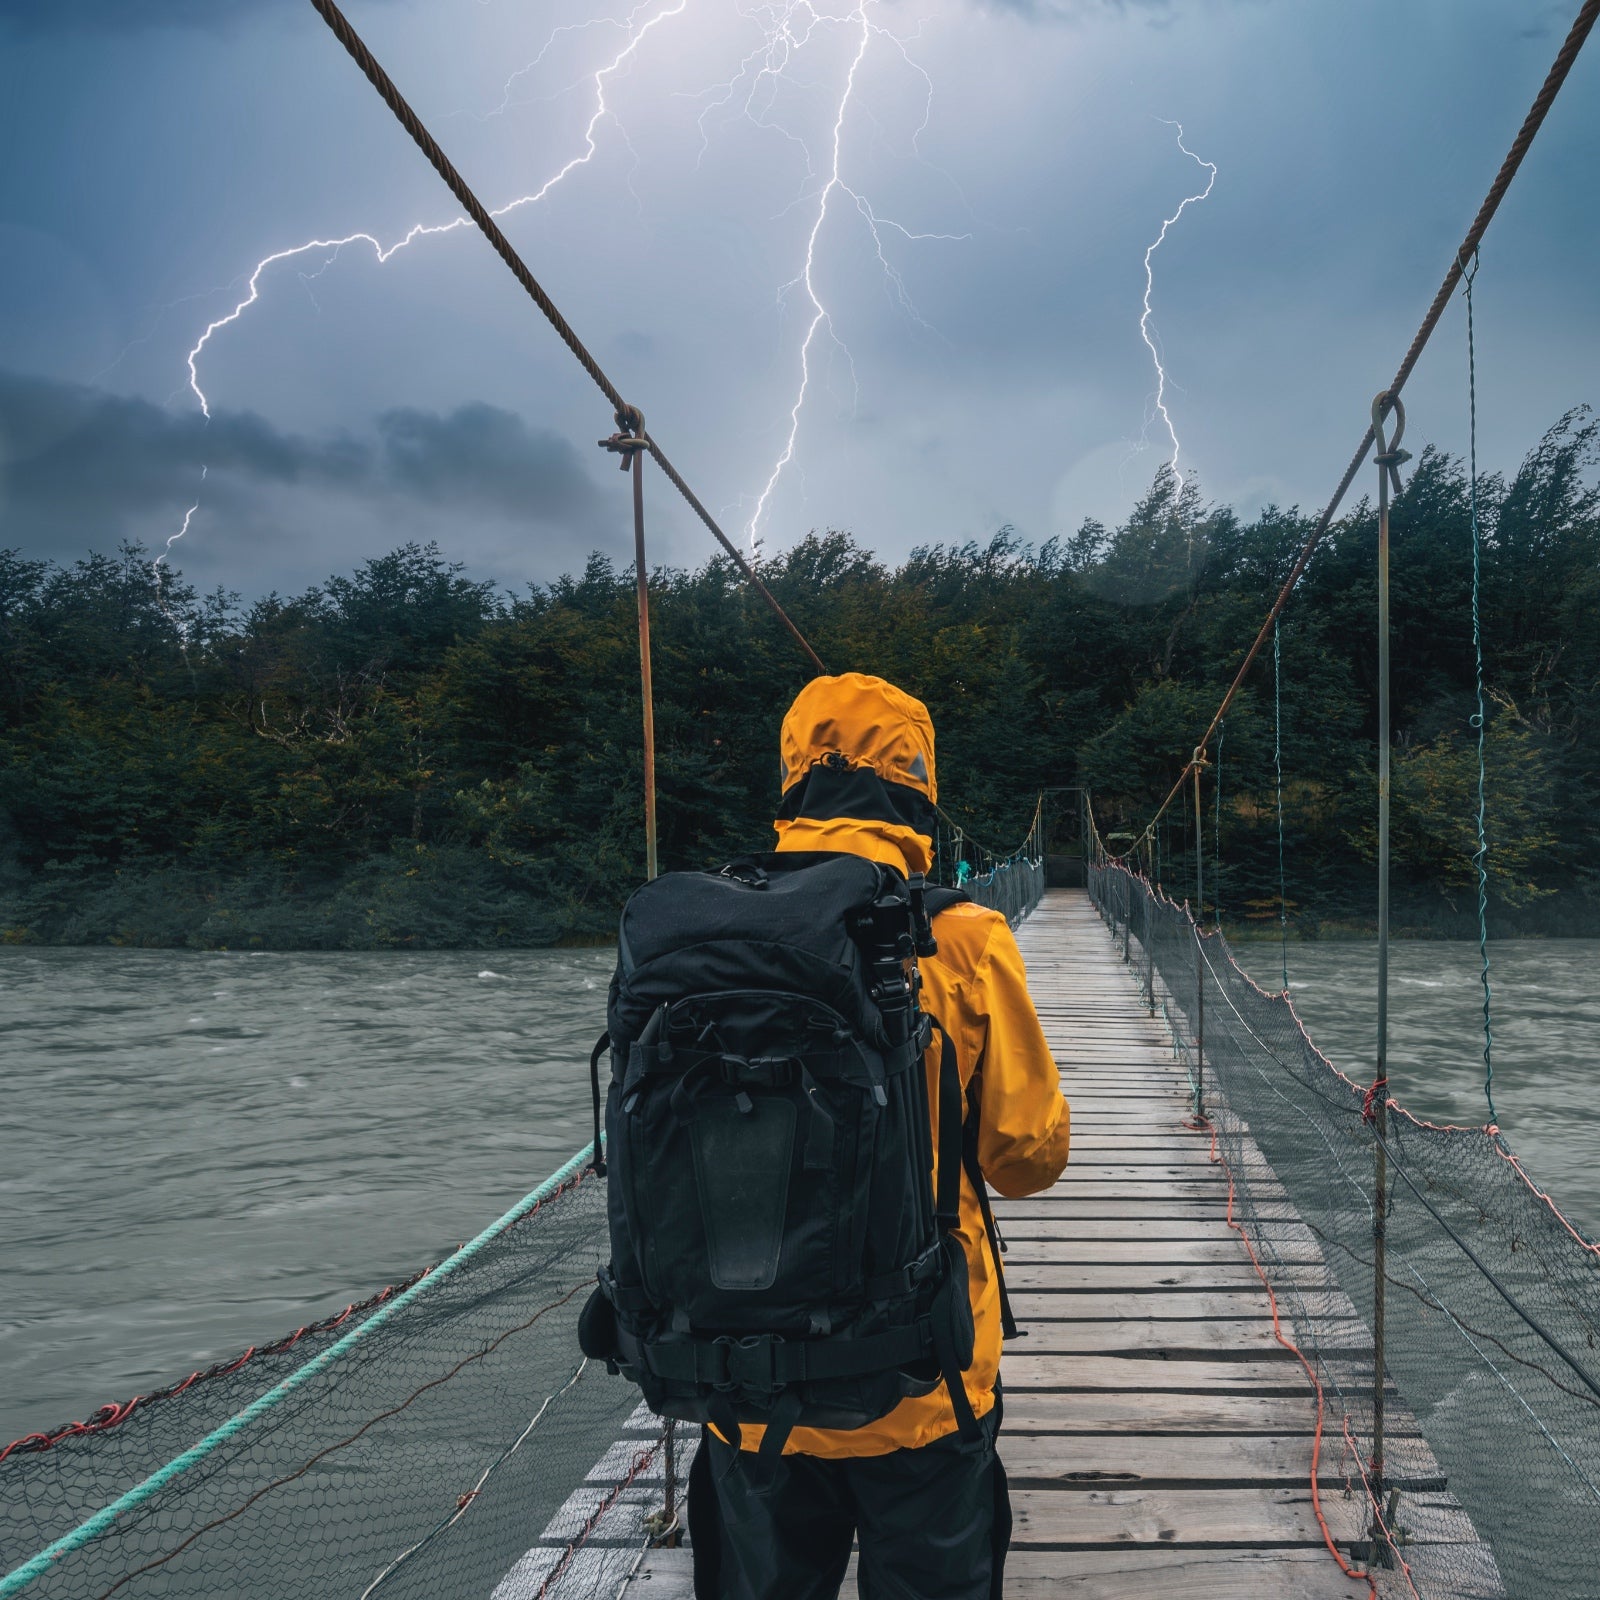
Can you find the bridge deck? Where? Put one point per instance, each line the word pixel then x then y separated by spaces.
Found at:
pixel 1157 1438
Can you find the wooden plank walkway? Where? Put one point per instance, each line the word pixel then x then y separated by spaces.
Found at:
pixel 1157 1437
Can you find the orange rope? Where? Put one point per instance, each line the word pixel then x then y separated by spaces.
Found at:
pixel 1201 1120
pixel 1388 1537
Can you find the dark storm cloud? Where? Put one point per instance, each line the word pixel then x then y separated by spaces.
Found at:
pixel 77 462
pixel 481 454
pixel 59 16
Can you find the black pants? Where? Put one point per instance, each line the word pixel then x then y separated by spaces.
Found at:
pixel 933 1524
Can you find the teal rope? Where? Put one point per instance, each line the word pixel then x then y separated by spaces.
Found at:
pixel 1277 763
pixel 1216 903
pixel 1480 856
pixel 100 1523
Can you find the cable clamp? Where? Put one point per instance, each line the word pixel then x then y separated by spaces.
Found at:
pixel 629 437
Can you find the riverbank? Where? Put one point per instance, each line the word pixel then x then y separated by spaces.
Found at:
pixel 413 898
pixel 422 897
pixel 1573 914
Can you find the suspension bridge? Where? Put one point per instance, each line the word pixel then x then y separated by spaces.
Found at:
pixel 1283 1337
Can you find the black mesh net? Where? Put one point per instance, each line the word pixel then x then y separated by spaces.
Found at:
pixel 445 1438
pixel 1489 1477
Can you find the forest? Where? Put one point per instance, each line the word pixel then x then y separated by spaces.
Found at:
pixel 404 756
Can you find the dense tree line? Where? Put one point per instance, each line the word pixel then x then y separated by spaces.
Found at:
pixel 406 756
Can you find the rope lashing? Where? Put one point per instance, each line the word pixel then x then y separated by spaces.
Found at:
pixel 1390 457
pixel 1579 32
pixel 1369 1101
pixel 491 230
pixel 1479 719
pixel 629 437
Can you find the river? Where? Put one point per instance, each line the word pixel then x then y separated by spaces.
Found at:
pixel 203 1150
pixel 1546 1020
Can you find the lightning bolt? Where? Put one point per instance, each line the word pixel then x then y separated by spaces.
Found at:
pixel 786 28
pixel 637 33
pixel 155 574
pixel 821 318
pixel 1149 289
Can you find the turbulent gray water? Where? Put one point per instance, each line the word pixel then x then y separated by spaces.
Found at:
pixel 1546 1014
pixel 201 1151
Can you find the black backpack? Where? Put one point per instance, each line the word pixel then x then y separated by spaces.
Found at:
pixel 778 1254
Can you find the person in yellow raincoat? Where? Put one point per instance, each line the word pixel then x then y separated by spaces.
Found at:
pixel 928 1508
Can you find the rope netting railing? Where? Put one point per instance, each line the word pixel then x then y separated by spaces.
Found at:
pixel 445 1437
pixel 1011 882
pixel 1485 1435
pixel 1012 887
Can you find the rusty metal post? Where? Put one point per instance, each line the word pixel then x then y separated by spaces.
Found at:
pixel 1199 941
pixel 631 443
pixel 1389 456
pixel 1149 953
pixel 647 693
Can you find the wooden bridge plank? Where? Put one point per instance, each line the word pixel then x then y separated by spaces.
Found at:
pixel 1128 1459
pixel 1136 1374
pixel 1254 1518
pixel 1142 1573
pixel 1167 1306
pixel 1023 1252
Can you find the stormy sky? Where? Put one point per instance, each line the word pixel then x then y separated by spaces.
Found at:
pixel 1002 169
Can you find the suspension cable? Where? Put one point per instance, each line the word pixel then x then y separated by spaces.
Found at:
pixel 1579 32
pixel 1480 856
pixel 491 230
pixel 995 855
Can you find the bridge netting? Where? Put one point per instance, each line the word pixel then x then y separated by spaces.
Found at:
pixel 444 1437
pixel 1490 1449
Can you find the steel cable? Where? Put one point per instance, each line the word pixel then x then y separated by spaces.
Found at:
pixel 492 231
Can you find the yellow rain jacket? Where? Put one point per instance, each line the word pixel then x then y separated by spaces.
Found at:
pixel 975 986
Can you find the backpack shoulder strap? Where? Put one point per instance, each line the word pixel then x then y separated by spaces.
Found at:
pixel 938 899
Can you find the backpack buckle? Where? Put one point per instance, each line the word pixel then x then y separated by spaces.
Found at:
pixel 770 1072
pixel 749 1363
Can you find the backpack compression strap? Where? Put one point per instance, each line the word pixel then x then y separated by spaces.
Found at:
pixel 947 1217
pixel 597 1160
pixel 997 1245
pixel 939 899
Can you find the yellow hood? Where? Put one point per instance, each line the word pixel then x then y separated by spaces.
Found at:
pixel 858 772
